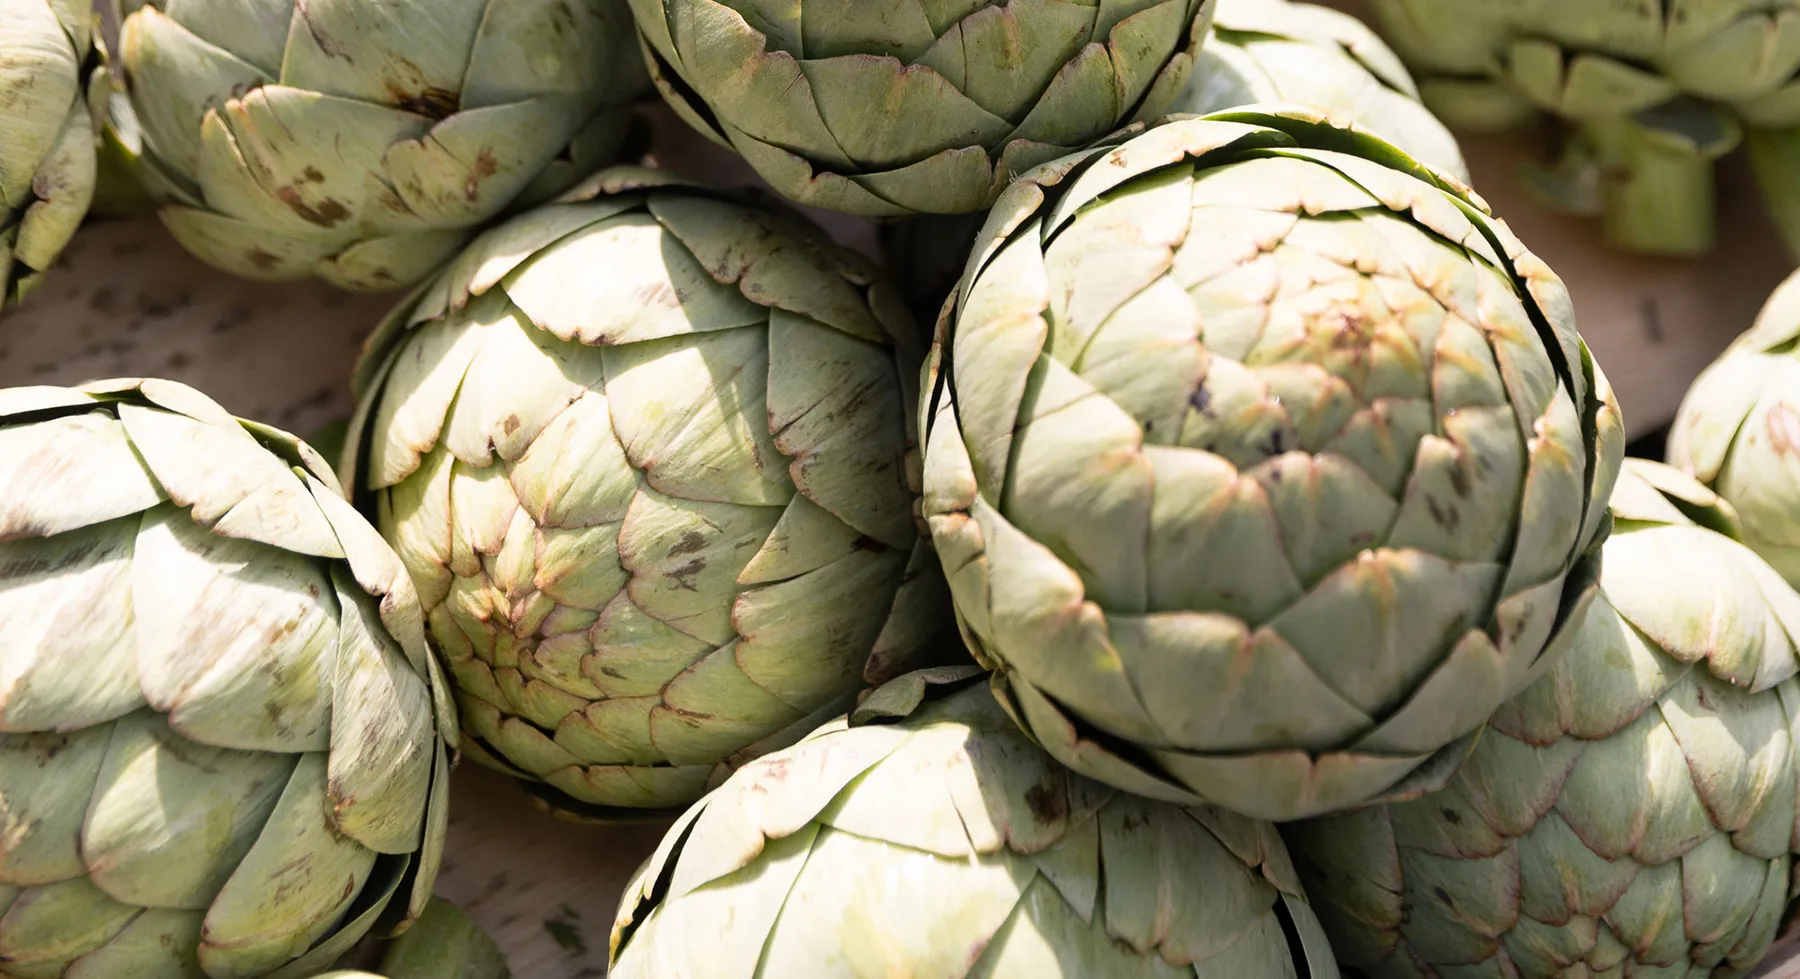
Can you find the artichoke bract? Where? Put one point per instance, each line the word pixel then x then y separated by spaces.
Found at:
pixel 1274 51
pixel 914 108
pixel 47 169
pixel 1648 97
pixel 648 454
pixel 360 141
pixel 223 741
pixel 442 944
pixel 1263 463
pixel 1738 430
pixel 923 835
pixel 1632 813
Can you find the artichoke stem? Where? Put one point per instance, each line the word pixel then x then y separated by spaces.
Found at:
pixel 1657 180
pixel 1775 156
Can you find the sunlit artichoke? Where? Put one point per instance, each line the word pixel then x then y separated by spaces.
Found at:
pixel 925 836
pixel 46 136
pixel 647 454
pixel 1738 430
pixel 1651 94
pixel 1277 51
pixel 222 738
pixel 364 141
pixel 1633 813
pixel 915 107
pixel 1263 465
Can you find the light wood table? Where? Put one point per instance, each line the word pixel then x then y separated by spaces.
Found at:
pixel 129 302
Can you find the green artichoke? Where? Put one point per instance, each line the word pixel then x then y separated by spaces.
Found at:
pixel 1633 813
pixel 442 944
pixel 362 141
pixel 924 836
pixel 1263 463
pixel 1652 93
pixel 648 454
pixel 46 136
pixel 1738 430
pixel 224 740
pixel 914 107
pixel 1275 51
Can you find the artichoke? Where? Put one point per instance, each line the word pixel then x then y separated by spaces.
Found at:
pixel 648 455
pixel 47 168
pixel 915 107
pixel 1650 95
pixel 442 944
pixel 1276 51
pixel 1630 814
pixel 1263 463
pixel 222 738
pixel 1738 430
pixel 924 836
pixel 362 141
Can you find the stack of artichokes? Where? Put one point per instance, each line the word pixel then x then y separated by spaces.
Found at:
pixel 1204 549
pixel 1646 97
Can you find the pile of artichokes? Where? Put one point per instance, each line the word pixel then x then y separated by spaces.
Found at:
pixel 1202 546
pixel 1645 97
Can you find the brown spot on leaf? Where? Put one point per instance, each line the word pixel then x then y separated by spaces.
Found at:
pixel 313 174
pixel 1048 802
pixel 323 40
pixel 432 103
pixel 684 575
pixel 691 542
pixel 1784 429
pixel 328 213
pixel 511 424
pixel 1451 816
pixel 1445 517
pixel 262 259
pixel 1348 330
pixel 1443 896
pixel 1459 481
pixel 485 167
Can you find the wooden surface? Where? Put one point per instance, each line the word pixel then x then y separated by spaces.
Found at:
pixel 129 302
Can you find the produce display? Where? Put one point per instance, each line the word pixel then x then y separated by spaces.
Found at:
pixel 1738 431
pixel 915 107
pixel 1264 465
pixel 1649 96
pixel 1277 51
pixel 1080 490
pixel 363 142
pixel 647 453
pixel 928 807
pixel 1631 813
pixel 47 146
pixel 207 651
